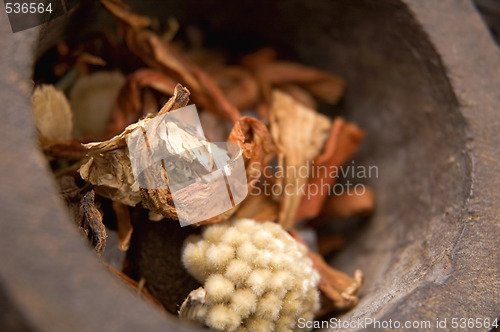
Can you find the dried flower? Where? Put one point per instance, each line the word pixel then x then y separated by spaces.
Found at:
pixel 255 276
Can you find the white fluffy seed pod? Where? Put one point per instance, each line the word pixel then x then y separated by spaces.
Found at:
pixel 256 277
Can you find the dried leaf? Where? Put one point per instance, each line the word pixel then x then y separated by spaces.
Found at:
pixel 70 149
pixel 321 84
pixel 299 134
pixel 342 143
pixel 340 290
pixel 260 57
pixel 165 57
pixel 259 207
pixel 108 164
pixel 256 145
pixel 129 105
pixel 52 112
pixel 238 85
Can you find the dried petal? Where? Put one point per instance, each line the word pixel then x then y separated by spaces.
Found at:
pixel 52 112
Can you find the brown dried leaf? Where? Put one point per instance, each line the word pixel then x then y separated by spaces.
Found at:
pixel 340 290
pixel 342 143
pixel 108 166
pixel 323 85
pixel 52 112
pixel 129 105
pixel 256 145
pixel 299 134
pixel 238 85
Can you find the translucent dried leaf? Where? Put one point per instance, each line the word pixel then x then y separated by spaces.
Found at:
pixel 299 134
pixel 108 164
pixel 52 112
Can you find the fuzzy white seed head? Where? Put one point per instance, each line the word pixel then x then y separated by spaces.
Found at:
pixel 218 288
pixel 258 281
pixel 269 307
pixel 256 276
pixel 246 252
pixel 223 318
pixel 238 271
pixel 214 233
pixel 218 255
pixel 244 302
pixel 257 324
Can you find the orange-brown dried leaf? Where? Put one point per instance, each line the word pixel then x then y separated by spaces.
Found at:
pixel 238 85
pixel 129 105
pixel 343 141
pixel 322 85
pixel 257 147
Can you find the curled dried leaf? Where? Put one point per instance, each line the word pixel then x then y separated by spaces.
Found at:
pixel 255 142
pixel 238 85
pixel 299 134
pixel 108 166
pixel 343 141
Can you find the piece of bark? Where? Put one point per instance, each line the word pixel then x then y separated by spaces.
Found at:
pixel 343 141
pixel 299 134
pixel 91 224
pixel 340 289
